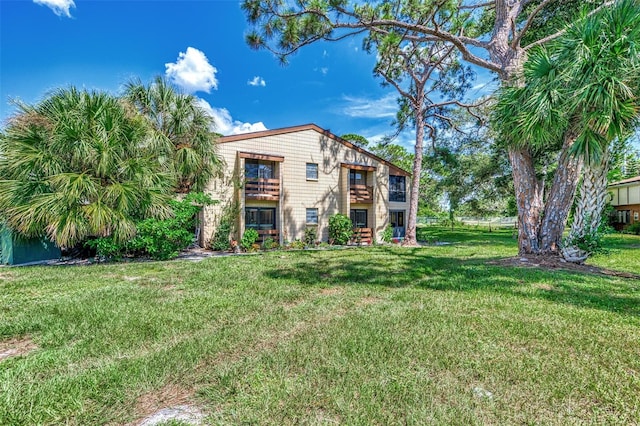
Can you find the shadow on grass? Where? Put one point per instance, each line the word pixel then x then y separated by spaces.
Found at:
pixel 418 268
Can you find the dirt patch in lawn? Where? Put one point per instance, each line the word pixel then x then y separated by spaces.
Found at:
pixel 16 347
pixel 331 291
pixel 161 402
pixel 550 263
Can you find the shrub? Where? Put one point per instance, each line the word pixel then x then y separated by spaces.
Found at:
pixel 159 239
pixel 296 245
pixel 269 243
pixel 340 229
pixel 310 236
pixel 220 239
pixel 634 228
pixel 590 242
pixel 107 247
pixel 387 234
pixel 249 238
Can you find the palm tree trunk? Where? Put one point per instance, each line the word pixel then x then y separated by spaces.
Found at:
pixel 592 200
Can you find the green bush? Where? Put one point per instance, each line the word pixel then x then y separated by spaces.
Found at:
pixel 296 245
pixel 591 242
pixel 387 234
pixel 159 239
pixel 634 228
pixel 340 229
pixel 310 236
pixel 249 238
pixel 269 243
pixel 220 240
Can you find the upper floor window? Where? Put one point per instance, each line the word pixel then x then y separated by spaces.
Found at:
pixel 312 171
pixel 397 188
pixel 258 169
pixel 357 177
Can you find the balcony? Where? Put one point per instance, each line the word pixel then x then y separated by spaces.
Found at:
pixel 262 189
pixel 362 236
pixel 361 194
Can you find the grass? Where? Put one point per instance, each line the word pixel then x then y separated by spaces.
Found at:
pixel 380 335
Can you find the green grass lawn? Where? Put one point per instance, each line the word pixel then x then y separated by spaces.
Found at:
pixel 380 335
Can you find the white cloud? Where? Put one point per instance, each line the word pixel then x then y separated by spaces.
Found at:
pixel 59 7
pixel 192 72
pixel 385 107
pixel 257 81
pixel 226 125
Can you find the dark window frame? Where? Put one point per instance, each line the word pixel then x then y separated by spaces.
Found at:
pixel 316 171
pixel 397 188
pixel 259 165
pixel 353 215
pixel 259 225
pixel 354 181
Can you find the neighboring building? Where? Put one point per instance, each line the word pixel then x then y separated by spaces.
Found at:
pixel 625 197
pixel 282 181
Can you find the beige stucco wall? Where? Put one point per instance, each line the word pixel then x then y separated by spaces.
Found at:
pixel 329 194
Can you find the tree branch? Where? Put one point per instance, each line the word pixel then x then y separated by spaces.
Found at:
pixel 559 33
pixel 516 39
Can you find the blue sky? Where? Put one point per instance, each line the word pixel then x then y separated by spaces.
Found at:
pixel 101 44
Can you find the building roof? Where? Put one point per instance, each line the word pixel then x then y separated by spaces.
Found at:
pixel 626 181
pixel 293 129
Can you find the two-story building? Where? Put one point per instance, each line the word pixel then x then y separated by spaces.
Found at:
pixel 625 197
pixel 282 181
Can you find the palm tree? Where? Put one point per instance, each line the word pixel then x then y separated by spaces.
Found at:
pixel 582 91
pixel 81 164
pixel 603 65
pixel 181 119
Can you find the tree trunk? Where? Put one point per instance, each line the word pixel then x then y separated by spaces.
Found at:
pixel 528 198
pixel 561 194
pixel 410 238
pixel 592 200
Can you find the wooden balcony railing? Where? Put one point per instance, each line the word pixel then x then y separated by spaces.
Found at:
pixel 362 236
pixel 361 194
pixel 264 189
pixel 268 233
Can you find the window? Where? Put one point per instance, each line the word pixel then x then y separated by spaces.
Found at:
pixel 260 218
pixel 312 171
pixel 257 169
pixel 359 218
pixel 396 219
pixel 357 177
pixel 312 216
pixel 397 188
pixel 624 216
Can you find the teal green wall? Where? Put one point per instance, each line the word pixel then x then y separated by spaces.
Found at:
pixel 16 251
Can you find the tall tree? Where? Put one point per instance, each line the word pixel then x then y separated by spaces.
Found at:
pixel 423 75
pixel 586 85
pixel 179 117
pixel 355 139
pixel 495 35
pixel 604 66
pixel 81 164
